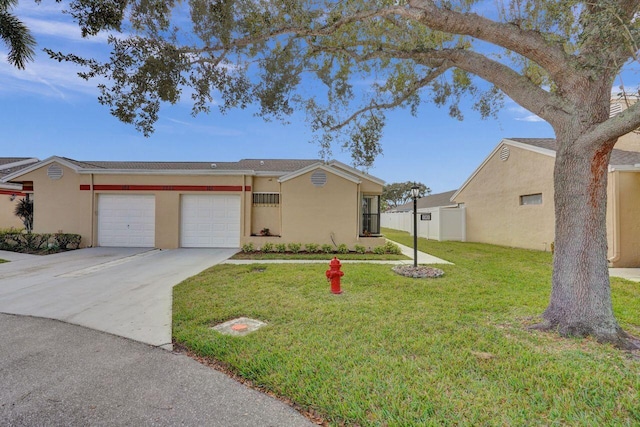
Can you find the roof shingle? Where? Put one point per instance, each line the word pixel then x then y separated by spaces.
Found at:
pixel 618 157
pixel 271 165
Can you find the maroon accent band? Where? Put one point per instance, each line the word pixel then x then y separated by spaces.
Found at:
pixel 27 187
pixel 103 187
pixel 12 193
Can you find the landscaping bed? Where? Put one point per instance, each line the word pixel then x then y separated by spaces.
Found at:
pixel 394 350
pixel 38 243
pixel 318 256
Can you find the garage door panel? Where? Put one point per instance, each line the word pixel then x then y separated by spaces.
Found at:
pixel 126 220
pixel 210 221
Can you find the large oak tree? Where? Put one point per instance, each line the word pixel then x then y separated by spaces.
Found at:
pixel 558 60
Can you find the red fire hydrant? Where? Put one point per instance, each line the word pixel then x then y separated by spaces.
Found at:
pixel 334 274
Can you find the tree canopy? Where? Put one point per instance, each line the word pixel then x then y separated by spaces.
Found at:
pixel 558 60
pixel 399 193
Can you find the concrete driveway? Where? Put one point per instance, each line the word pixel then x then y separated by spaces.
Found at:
pixel 123 291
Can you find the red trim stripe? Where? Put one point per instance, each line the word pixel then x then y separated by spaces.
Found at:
pixel 106 187
pixel 11 193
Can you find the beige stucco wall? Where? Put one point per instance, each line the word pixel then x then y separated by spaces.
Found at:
pixel 265 216
pixel 58 205
pixel 306 214
pixel 61 205
pixel 623 211
pixel 629 142
pixel 492 201
pixel 7 209
pixel 310 214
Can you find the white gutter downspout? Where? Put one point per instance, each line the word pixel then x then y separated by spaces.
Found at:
pixel 93 212
pixel 244 205
pixel 358 212
pixel 280 207
pixel 615 220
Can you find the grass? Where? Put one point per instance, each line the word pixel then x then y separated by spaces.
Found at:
pixel 3 260
pixel 398 351
pixel 318 256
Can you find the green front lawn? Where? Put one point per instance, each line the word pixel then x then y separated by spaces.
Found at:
pixel 398 351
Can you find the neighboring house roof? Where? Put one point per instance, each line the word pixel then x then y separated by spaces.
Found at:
pixel 547 146
pixel 618 157
pixel 8 165
pixel 431 201
pixel 11 165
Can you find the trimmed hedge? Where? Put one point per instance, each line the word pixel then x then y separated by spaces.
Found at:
pixel 38 243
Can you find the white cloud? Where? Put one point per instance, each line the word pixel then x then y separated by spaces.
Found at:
pixel 65 30
pixel 523 115
pixel 45 78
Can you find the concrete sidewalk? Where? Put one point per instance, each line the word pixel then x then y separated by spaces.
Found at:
pixel 57 374
pixel 632 274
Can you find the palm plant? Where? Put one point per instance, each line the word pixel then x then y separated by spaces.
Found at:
pixel 16 36
pixel 24 211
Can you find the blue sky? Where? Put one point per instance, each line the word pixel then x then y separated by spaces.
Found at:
pixel 47 110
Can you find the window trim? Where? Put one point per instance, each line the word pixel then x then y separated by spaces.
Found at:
pixel 533 199
pixel 265 198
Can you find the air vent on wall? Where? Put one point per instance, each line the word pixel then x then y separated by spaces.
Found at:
pixel 54 171
pixel 319 178
pixel 504 153
pixel 615 108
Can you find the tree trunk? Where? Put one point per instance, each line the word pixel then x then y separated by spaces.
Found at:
pixel 580 302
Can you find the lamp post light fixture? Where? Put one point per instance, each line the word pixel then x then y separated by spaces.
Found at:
pixel 415 193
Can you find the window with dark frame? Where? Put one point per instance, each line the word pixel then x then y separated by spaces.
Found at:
pixel 266 199
pixel 531 199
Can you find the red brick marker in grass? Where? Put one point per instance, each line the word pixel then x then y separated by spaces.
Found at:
pixel 240 327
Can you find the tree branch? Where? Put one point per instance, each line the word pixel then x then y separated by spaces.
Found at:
pixel 618 125
pixel 519 88
pixel 528 43
pixel 398 99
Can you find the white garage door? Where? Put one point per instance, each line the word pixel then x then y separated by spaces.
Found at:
pixel 126 220
pixel 210 221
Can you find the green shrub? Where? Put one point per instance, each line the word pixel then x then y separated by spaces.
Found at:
pixel 392 248
pixel 281 247
pixel 379 250
pixel 66 241
pixel 294 247
pixel 248 248
pixel 327 249
pixel 343 249
pixel 267 247
pixel 360 249
pixel 312 248
pixel 16 241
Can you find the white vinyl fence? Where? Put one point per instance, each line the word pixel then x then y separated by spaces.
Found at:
pixel 433 223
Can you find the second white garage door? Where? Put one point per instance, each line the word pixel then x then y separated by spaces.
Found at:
pixel 210 221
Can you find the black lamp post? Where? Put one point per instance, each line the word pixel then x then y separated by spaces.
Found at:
pixel 415 192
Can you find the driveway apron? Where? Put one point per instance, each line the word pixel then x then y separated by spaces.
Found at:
pixel 123 291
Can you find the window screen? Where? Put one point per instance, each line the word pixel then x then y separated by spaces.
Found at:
pixel 266 198
pixel 531 199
